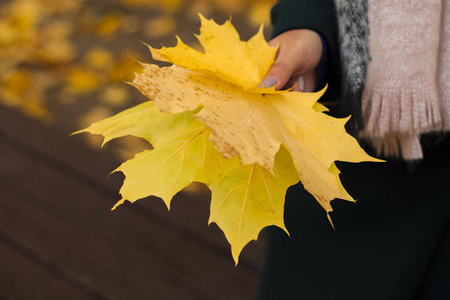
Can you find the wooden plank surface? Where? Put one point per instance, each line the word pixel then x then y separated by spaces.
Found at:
pixel 15 283
pixel 55 221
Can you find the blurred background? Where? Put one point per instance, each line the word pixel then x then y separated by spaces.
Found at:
pixel 63 64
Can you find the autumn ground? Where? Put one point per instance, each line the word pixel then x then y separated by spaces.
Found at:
pixel 63 64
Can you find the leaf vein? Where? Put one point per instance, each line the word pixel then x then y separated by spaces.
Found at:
pixel 244 204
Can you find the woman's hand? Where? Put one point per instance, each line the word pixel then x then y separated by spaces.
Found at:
pixel 296 62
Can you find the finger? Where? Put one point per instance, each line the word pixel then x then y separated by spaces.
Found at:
pixel 304 83
pixel 299 85
pixel 280 71
pixel 310 79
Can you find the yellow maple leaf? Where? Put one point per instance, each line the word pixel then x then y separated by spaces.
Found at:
pixel 209 122
pixel 246 121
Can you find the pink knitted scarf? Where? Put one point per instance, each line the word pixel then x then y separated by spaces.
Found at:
pixel 407 90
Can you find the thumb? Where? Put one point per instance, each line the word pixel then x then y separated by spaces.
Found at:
pixel 298 54
pixel 281 70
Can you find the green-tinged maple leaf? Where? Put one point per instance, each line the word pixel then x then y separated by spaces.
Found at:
pixel 214 125
pixel 146 121
pixel 138 121
pixel 167 169
pixel 181 150
pixel 245 198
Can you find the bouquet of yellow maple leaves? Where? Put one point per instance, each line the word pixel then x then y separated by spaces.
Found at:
pixel 209 122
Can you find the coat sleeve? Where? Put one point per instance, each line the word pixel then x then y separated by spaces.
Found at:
pixel 320 16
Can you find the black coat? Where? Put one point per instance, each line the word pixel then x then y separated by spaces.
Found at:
pixel 394 243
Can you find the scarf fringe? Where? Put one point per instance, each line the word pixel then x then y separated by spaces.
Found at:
pixel 408 147
pixel 394 127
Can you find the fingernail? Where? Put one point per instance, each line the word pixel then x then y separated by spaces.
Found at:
pixel 268 82
pixel 301 84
